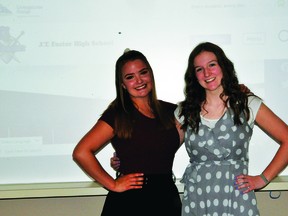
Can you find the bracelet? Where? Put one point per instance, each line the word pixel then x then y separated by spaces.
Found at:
pixel 264 178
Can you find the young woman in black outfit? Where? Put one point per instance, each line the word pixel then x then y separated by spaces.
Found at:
pixel 142 131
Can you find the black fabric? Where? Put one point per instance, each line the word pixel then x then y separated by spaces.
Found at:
pixel 159 196
pixel 151 149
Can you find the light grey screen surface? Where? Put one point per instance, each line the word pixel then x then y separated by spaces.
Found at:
pixel 57 63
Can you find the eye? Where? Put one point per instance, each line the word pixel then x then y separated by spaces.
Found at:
pixel 144 72
pixel 212 64
pixel 129 77
pixel 198 69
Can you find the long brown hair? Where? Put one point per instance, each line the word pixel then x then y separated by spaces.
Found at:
pixel 123 104
pixel 195 94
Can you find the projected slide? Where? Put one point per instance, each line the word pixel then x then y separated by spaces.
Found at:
pixel 57 64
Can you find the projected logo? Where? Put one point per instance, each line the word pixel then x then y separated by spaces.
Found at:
pixel 9 45
pixel 4 10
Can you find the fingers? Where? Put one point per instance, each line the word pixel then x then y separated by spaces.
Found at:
pixel 244 183
pixel 130 181
pixel 136 180
pixel 115 163
pixel 245 188
pixel 241 183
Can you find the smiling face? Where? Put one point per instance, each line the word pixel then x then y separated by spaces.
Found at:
pixel 136 79
pixel 208 72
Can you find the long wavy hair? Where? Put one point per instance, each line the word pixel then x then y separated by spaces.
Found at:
pixel 195 94
pixel 123 105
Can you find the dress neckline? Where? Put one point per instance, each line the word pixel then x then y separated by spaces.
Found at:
pixel 142 114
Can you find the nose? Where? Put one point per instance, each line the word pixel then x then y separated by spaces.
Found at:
pixel 207 72
pixel 138 79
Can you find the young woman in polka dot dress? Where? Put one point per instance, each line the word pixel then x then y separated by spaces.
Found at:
pixel 218 120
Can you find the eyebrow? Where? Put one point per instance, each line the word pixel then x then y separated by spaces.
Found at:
pixel 143 69
pixel 208 62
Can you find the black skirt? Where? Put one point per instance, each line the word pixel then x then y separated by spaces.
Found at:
pixel 158 196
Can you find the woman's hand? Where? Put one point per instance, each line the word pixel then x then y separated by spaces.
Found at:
pixel 115 162
pixel 246 183
pixel 128 182
pixel 244 88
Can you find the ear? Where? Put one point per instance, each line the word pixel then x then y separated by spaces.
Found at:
pixel 123 86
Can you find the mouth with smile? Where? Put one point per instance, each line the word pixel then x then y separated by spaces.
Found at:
pixel 210 80
pixel 141 87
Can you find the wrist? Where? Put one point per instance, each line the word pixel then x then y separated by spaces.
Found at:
pixel 264 178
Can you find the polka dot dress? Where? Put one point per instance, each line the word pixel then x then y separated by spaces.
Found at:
pixel 216 156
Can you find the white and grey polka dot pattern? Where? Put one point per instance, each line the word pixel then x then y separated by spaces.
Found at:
pixel 217 155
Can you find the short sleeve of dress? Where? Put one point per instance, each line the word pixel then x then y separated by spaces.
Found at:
pixel 254 104
pixel 177 115
pixel 108 116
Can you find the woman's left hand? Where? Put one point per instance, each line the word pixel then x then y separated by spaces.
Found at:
pixel 247 183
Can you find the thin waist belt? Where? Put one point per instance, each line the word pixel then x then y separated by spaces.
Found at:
pixel 152 179
pixel 157 178
pixel 223 162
